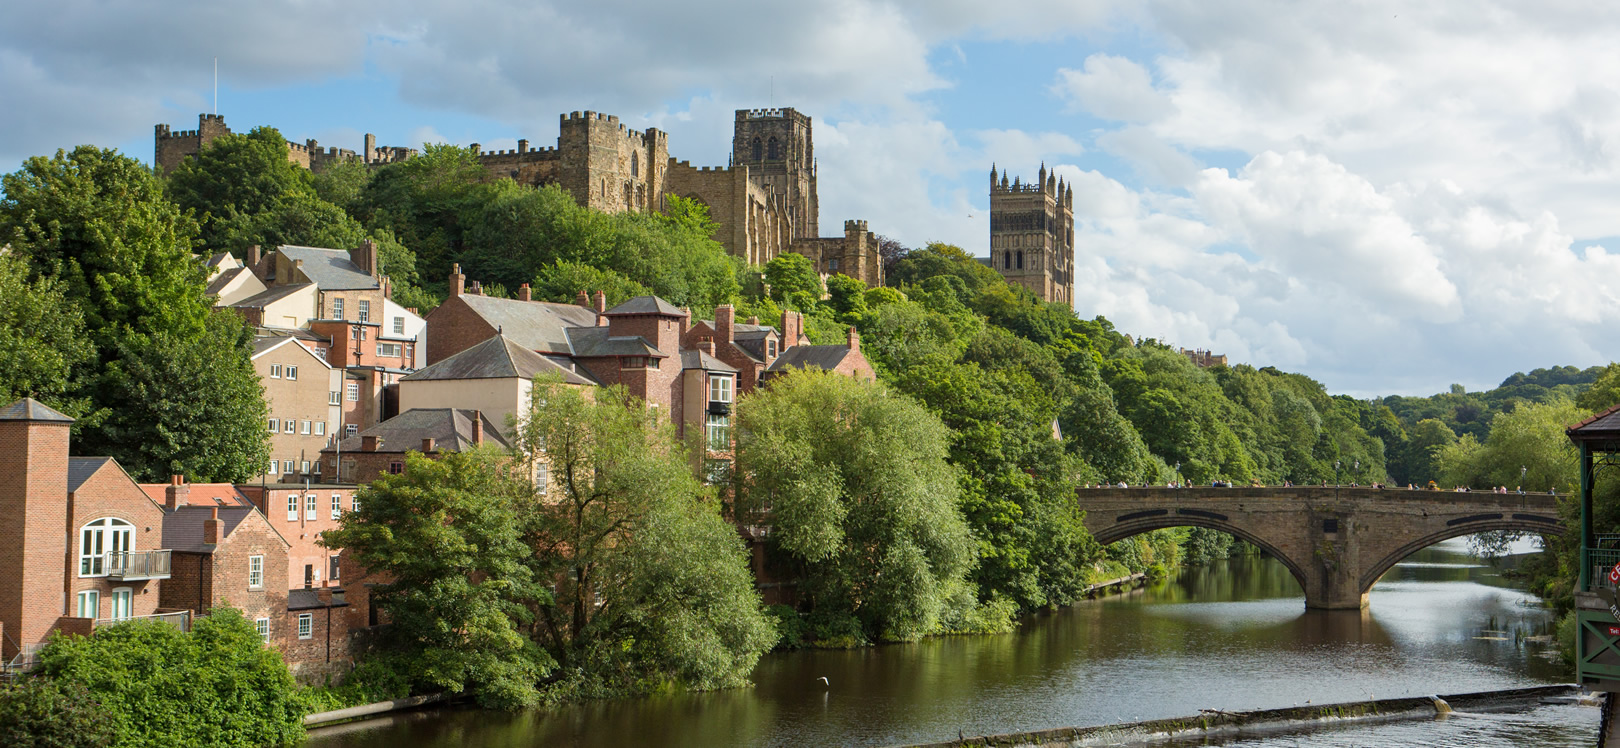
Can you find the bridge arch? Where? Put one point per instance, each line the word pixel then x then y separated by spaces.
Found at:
pixel 1379 567
pixel 1132 529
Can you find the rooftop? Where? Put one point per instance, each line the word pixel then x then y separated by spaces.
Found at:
pixel 183 527
pixel 645 305
pixel 29 409
pixel 810 357
pixel 535 325
pixel 449 428
pixel 81 468
pixel 499 357
pixel 330 269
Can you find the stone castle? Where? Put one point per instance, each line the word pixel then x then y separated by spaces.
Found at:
pixel 1032 234
pixel 765 201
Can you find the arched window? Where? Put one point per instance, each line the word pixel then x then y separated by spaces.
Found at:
pixel 635 164
pixel 1006 260
pixel 775 150
pixel 759 150
pixel 1020 259
pixel 102 537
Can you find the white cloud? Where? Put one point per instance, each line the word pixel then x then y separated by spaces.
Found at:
pixel 1113 88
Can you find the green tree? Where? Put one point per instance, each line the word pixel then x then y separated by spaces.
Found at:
pixel 235 178
pixel 847 298
pixel 42 341
pixel 652 586
pixel 216 686
pixel 450 535
pixel 1530 442
pixel 42 713
pixel 1605 390
pixel 1429 436
pixel 793 280
pixel 428 201
pixel 862 499
pixel 562 281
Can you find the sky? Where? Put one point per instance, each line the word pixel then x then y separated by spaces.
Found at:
pixel 1390 197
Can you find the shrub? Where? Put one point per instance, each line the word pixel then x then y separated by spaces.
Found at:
pixel 42 713
pixel 790 628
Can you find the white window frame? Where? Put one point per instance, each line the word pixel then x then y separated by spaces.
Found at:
pixel 275 371
pixel 337 307
pixel 102 536
pixel 303 427
pixel 286 466
pixel 306 625
pixel 351 429
pixel 289 426
pixel 717 432
pixel 123 604
pixel 399 325
pixel 88 604
pixel 337 506
pixel 292 507
pixel 389 350
pixel 334 398
pixel 354 503
pixel 316 465
pixel 272 470
pixel 255 572
pixel 720 388
pixel 275 425
pixel 320 428
pixel 303 467
pixel 353 390
pixel 262 626
pixel 311 501
pixel 320 353
pixel 292 372
pixel 542 474
pixel 365 310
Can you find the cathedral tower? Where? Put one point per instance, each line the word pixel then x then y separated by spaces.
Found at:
pixel 1032 234
pixel 777 148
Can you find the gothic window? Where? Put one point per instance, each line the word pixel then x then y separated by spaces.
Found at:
pixel 759 150
pixel 774 149
pixel 635 164
pixel 1020 260
pixel 1006 260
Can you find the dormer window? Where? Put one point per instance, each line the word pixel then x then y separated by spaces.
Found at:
pixel 770 348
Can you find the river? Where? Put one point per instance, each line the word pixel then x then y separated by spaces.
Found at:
pixel 1231 635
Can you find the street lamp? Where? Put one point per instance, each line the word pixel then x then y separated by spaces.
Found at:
pixel 1356 474
pixel 1336 464
pixel 1522 470
pixel 1178 473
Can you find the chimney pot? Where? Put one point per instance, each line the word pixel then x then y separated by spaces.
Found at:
pixel 524 294
pixel 584 299
pixel 458 282
pixel 177 493
pixel 706 345
pixel 427 444
pixel 477 427
pixel 212 528
pixel 854 340
pixel 725 316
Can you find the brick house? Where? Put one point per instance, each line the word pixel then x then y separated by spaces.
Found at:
pixel 380 450
pixel 227 555
pixel 299 513
pixel 302 391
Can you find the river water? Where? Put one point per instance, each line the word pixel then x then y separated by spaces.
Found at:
pixel 1231 635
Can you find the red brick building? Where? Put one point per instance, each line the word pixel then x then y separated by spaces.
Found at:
pixel 380 450
pixel 300 513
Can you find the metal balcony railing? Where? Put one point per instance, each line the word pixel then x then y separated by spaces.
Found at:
pixel 1599 561
pixel 138 565
pixel 180 619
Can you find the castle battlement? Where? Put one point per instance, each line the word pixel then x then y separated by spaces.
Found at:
pixel 855 225
pixel 778 113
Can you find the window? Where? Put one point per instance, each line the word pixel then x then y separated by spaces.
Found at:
pixel 320 428
pixel 303 427
pixel 354 392
pixel 396 467
pixel 275 425
pixel 289 425
pixel 303 466
pixel 542 475
pixel 832 265
pixel 320 353
pixel 354 503
pixel 351 429
pixel 101 538
pixel 332 570
pixel 255 572
pixel 773 149
pixel 635 164
pixel 317 467
pixel 719 430
pixel 89 604
pixel 337 308
pixel 1006 260
pixel 719 389
pixel 123 600
pixel 334 398
pixel 758 150
pixel 272 470
pixel 292 372
pixel 309 507
pixel 306 625
pixel 633 362
pixel 292 507
pixel 399 325
pixel 1020 256
pixel 770 348
pixel 337 506
pixel 365 310
pixel 262 625
pixel 275 371
pixel 388 349
pixel 286 466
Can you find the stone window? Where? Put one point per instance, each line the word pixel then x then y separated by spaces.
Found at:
pixel 832 265
pixel 773 149
pixel 303 466
pixel 100 539
pixel 306 625
pixel 255 572
pixel 635 164
pixel 759 150
pixel 334 398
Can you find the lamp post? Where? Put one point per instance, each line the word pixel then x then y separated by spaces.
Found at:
pixel 1178 473
pixel 1355 475
pixel 1336 480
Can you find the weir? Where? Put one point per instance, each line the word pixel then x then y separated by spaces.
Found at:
pixel 1336 541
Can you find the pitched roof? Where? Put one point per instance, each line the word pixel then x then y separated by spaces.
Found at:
pixel 224 279
pixel 701 360
pixel 200 494
pixel 183 527
pixel 449 428
pixel 29 409
pixel 215 260
pixel 810 357
pixel 591 342
pixel 535 325
pixel 330 269
pixel 646 305
pixel 306 598
pixel 1603 426
pixel 499 357
pixel 271 295
pixel 81 468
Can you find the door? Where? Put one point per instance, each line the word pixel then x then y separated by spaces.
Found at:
pixel 121 601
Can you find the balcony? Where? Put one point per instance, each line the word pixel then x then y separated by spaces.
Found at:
pixel 1600 558
pixel 134 565
pixel 180 619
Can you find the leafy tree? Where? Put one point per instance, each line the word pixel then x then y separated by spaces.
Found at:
pixel 216 686
pixel 235 178
pixel 1605 391
pixel 793 280
pixel 1429 436
pixel 450 537
pixel 652 586
pixel 891 251
pixel 41 339
pixel 862 499
pixel 563 280
pixel 42 713
pixel 847 298
pixel 1529 441
pixel 427 202
pixel 343 183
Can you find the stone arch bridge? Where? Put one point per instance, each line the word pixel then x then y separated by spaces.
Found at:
pixel 1335 541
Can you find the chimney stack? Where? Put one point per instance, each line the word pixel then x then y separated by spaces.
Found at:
pixel 253 258
pixel 177 493
pixel 724 317
pixel 792 328
pixel 706 345
pixel 427 444
pixel 854 340
pixel 601 302
pixel 370 443
pixel 583 299
pixel 477 427
pixel 753 320
pixel 212 527
pixel 458 282
pixel 524 294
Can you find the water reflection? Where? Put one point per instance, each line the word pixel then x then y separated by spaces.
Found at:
pixel 1232 635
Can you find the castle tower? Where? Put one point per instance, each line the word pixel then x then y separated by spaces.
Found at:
pixel 606 165
pixel 33 506
pixel 1032 234
pixel 777 147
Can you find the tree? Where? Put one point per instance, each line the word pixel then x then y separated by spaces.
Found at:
pixel 861 498
pixel 793 280
pixel 451 538
pixel 891 251
pixel 42 713
pixel 1528 442
pixel 215 686
pixel 562 281
pixel 652 585
pixel 847 298
pixel 234 178
pixel 427 201
pixel 42 339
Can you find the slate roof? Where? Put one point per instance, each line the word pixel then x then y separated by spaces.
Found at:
pixel 449 428
pixel 306 598
pixel 183 527
pixel 291 332
pixel 330 269
pixel 499 357
pixel 810 357
pixel 645 305
pixel 216 259
pixel 268 296
pixel 589 342
pixel 701 360
pixel 535 325
pixel 81 468
pixel 749 338
pixel 224 279
pixel 1604 426
pixel 29 409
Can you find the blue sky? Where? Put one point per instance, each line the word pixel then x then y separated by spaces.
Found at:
pixel 1389 198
